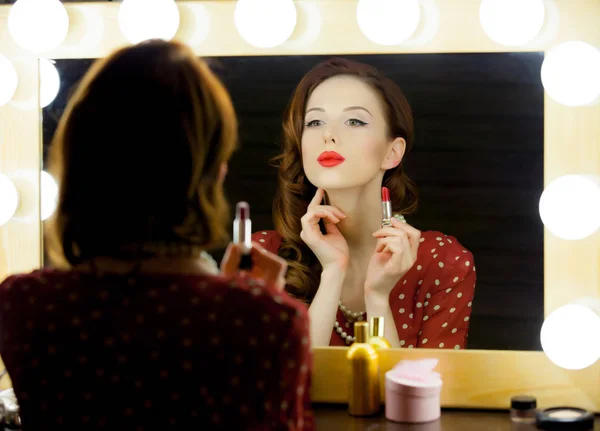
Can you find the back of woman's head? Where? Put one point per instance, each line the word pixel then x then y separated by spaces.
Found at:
pixel 138 155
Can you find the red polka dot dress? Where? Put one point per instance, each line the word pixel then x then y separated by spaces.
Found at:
pixel 431 304
pixel 148 352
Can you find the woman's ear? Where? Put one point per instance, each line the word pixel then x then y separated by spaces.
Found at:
pixel 223 172
pixel 395 154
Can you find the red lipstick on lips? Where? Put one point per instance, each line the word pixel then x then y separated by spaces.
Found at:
pixel 330 159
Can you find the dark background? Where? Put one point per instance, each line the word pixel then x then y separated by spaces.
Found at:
pixel 477 159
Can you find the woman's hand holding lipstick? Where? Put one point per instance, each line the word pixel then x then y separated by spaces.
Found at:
pixel 395 254
pixel 266 266
pixel 330 248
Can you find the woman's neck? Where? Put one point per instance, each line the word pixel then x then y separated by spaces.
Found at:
pixel 362 206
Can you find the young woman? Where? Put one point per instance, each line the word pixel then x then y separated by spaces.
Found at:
pixel 138 330
pixel 345 134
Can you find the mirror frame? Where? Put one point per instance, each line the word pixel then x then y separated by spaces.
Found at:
pixel 472 378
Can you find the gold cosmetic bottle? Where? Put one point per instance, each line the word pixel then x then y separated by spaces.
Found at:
pixel 376 338
pixel 363 391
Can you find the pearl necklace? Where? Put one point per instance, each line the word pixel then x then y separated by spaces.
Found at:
pixel 351 316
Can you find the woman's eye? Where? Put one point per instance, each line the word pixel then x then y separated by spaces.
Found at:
pixel 313 123
pixel 355 122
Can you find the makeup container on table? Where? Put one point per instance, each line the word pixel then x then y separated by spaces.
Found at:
pixel 364 398
pixel 565 419
pixel 412 392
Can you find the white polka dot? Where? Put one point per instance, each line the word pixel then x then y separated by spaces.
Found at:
pixel 438 238
pixel 469 304
pixel 404 282
pixel 441 243
pixel 474 270
pixel 402 342
pixel 410 315
pixel 261 240
pixel 466 319
pixel 419 267
pixel 454 330
pixel 457 257
pixel 422 240
pixel 445 324
pixel 401 296
pixel 420 282
pixel 424 341
pixel 419 305
pixel 410 346
pixel 425 318
pixel 263 233
pixel 435 255
pixel 464 251
pixel 426 303
pixel 455 279
pixel 459 295
pixel 452 310
pixel 467 263
pixel 449 290
pixel 441 345
pixel 284 405
pixel 449 240
pixel 441 264
pixel 433 250
pixel 457 347
pixel 436 308
pixel 428 296
pixel 405 326
pixel 437 282
pixel 401 311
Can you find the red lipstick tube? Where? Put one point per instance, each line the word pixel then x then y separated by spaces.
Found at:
pixel 386 207
pixel 242 231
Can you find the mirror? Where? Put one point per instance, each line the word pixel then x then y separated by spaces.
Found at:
pixel 477 160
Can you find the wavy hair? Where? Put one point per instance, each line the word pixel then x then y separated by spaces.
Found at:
pixel 138 155
pixel 294 191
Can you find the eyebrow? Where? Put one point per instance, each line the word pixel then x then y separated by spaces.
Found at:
pixel 350 108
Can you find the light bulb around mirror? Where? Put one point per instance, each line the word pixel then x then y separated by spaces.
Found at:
pixel 512 22
pixel 49 195
pixel 569 337
pixel 9 199
pixel 9 80
pixel 49 82
pixel 141 20
pixel 571 73
pixel 570 206
pixel 265 23
pixel 388 22
pixel 38 25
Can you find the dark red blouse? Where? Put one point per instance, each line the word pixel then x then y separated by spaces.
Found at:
pixel 431 304
pixel 148 352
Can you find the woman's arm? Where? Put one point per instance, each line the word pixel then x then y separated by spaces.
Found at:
pixel 323 308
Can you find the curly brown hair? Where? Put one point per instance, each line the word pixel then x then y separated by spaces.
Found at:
pixel 138 155
pixel 294 191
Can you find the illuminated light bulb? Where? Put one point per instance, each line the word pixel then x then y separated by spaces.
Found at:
pixel 265 23
pixel 49 195
pixel 9 81
pixel 49 82
pixel 141 20
pixel 9 199
pixel 570 206
pixel 38 25
pixel 570 338
pixel 388 22
pixel 512 22
pixel 571 74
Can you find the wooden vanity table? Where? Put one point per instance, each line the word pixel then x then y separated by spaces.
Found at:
pixel 336 417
